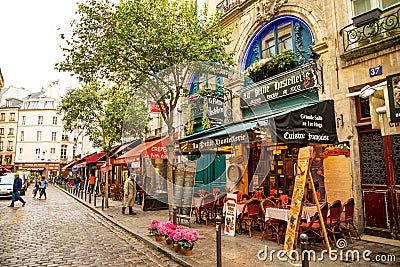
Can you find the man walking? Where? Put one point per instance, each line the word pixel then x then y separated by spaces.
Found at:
pixel 129 195
pixel 17 186
pixel 77 182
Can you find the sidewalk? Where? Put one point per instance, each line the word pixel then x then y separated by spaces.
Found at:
pixel 240 250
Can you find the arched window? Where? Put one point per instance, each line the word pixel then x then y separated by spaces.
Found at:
pixel 280 34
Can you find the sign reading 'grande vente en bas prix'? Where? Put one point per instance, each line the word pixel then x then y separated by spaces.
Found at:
pixel 293 82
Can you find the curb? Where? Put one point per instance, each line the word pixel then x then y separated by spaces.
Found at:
pixel 137 236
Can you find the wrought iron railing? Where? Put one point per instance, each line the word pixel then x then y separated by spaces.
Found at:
pixel 385 27
pixel 227 5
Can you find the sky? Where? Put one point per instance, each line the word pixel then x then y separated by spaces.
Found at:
pixel 29 42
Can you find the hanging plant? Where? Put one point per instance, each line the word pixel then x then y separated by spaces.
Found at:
pixel 190 123
pixel 205 121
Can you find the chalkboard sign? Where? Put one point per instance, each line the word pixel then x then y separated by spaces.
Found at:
pixel 179 180
pixel 186 193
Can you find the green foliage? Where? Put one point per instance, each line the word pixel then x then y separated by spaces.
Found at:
pixel 205 121
pixel 190 123
pixel 269 67
pixel 100 113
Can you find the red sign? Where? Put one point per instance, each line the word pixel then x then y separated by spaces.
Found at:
pixel 154 107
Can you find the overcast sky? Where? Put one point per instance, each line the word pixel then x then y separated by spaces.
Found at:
pixel 29 41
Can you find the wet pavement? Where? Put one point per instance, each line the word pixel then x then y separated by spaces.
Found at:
pixel 242 250
pixel 60 231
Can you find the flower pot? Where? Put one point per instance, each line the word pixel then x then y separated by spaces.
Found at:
pixel 168 241
pixel 177 248
pixel 186 252
pixel 158 238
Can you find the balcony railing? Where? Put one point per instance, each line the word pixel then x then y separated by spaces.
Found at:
pixel 387 27
pixel 228 5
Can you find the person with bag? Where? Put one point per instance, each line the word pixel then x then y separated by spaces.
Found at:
pixel 43 187
pixel 129 195
pixel 37 187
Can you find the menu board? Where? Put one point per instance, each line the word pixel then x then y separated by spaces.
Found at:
pixel 302 173
pixel 188 185
pixel 230 214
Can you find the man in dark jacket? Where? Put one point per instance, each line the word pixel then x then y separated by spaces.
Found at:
pixel 17 186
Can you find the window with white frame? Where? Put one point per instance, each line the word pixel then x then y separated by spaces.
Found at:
pixel 2 116
pixel 1 145
pixel 63 152
pixel 12 116
pixel 362 6
pixel 40 120
pixel 22 135
pixel 1 131
pixel 11 131
pixel 23 120
pixel 10 145
pixel 54 120
pixel 53 136
pixel 52 150
pixel 21 150
pixel 37 151
pixel 39 136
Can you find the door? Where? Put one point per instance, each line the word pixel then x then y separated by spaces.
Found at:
pixel 379 158
pixel 210 172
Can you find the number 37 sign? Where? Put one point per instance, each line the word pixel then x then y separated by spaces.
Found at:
pixel 375 71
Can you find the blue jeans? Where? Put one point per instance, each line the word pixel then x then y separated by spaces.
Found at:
pixel 76 188
pixel 15 197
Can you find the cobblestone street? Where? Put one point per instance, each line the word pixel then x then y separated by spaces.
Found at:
pixel 60 231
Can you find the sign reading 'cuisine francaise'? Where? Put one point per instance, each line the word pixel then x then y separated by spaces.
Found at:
pixel 293 82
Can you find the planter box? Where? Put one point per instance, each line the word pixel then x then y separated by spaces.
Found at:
pixel 368 17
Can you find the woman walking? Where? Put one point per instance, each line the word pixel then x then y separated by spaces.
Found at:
pixel 43 187
pixel 37 187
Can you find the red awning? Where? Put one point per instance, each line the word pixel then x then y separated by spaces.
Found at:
pixel 151 149
pixel 5 168
pixel 124 146
pixel 95 157
pixel 68 165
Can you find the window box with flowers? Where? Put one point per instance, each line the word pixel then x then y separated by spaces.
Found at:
pixel 268 67
pixel 153 229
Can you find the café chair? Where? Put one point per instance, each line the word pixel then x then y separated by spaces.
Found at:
pixel 313 228
pixel 250 216
pixel 207 207
pixel 219 203
pixel 347 220
pixel 333 221
pixel 272 226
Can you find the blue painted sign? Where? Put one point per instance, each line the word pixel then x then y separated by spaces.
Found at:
pixel 74 168
pixel 375 71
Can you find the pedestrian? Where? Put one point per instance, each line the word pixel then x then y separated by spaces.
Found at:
pixel 129 195
pixel 17 186
pixel 37 187
pixel 77 183
pixel 43 186
pixel 92 180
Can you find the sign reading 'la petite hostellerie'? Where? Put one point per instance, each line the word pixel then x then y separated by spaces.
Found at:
pixel 293 82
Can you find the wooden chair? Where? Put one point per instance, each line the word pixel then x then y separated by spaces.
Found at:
pixel 273 226
pixel 333 222
pixel 219 202
pixel 207 208
pixel 314 229
pixel 250 216
pixel 348 207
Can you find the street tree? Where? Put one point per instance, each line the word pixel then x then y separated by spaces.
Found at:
pixel 133 41
pixel 99 112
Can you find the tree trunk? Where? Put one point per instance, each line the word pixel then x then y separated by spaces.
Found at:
pixel 106 183
pixel 170 171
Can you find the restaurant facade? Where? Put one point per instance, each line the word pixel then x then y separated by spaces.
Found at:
pixel 315 102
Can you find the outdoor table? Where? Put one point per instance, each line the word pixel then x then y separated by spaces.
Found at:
pixel 283 214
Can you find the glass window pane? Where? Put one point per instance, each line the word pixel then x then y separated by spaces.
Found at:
pixel 361 6
pixel 269 46
pixel 388 3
